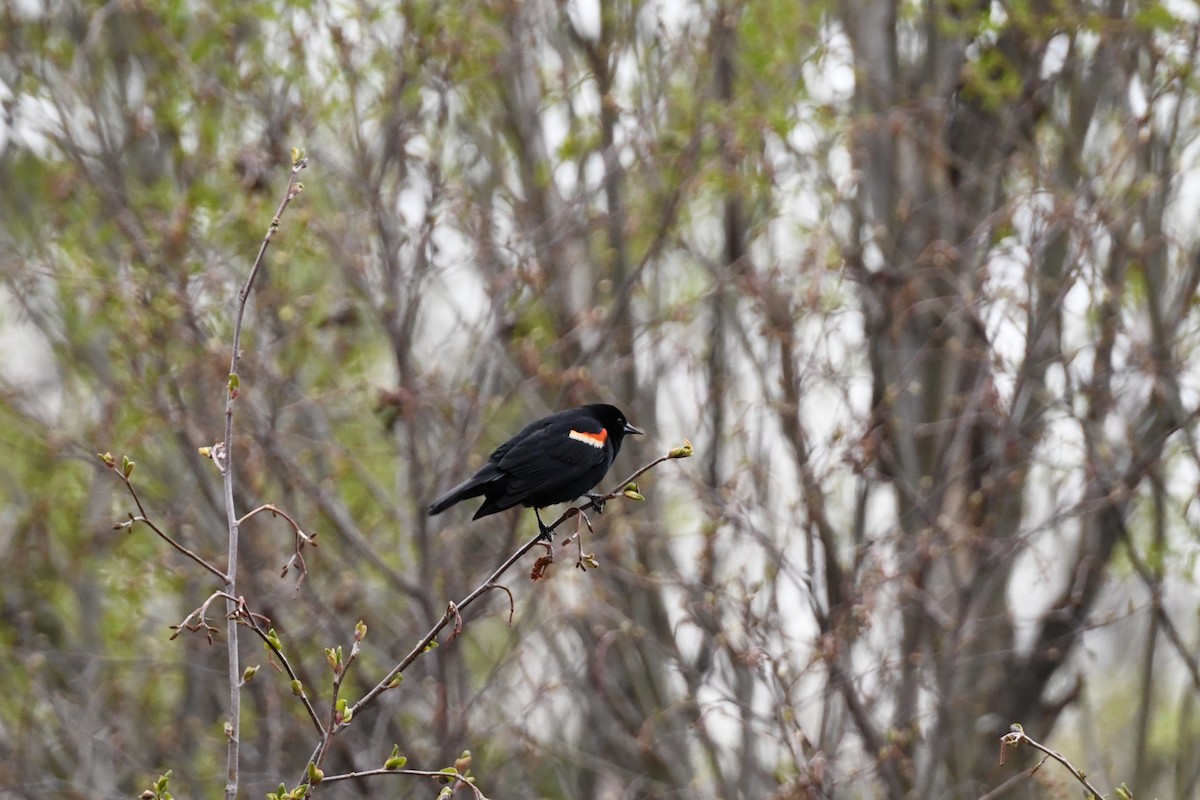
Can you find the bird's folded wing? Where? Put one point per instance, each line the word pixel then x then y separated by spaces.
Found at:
pixel 552 456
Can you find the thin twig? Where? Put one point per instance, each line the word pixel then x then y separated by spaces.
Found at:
pixel 1017 736
pixel 1023 775
pixel 512 604
pixel 461 780
pixel 583 560
pixel 1168 625
pixel 299 539
pixel 276 650
pixel 144 518
pixel 458 621
pixel 454 610
pixel 200 613
pixel 340 668
pixel 232 391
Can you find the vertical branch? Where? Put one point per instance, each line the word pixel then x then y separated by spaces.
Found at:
pixel 601 60
pixel 718 365
pixel 233 724
pixel 1141 767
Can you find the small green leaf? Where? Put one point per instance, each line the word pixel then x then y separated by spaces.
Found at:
pixel 315 773
pixel 160 785
pixel 360 631
pixel 395 760
pixel 127 466
pixel 297 688
pixel 685 451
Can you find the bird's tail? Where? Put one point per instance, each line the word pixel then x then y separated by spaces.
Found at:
pixel 472 487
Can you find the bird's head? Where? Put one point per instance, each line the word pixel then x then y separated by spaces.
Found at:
pixel 613 420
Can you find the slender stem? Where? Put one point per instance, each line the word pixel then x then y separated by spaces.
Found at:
pixel 438 775
pixel 454 610
pixel 1017 736
pixel 231 516
pixel 144 518
pixel 287 667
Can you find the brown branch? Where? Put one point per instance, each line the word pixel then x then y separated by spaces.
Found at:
pixel 1025 774
pixel 454 610
pixel 253 621
pixel 340 669
pixel 455 775
pixel 145 519
pixel 199 613
pixel 1168 625
pixel 1017 737
pixel 272 644
pixel 299 539
pixel 299 162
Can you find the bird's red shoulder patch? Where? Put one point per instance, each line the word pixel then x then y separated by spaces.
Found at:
pixel 587 437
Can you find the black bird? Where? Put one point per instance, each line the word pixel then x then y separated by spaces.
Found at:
pixel 553 460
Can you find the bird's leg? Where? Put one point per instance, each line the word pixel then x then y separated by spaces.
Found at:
pixel 547 532
pixel 598 501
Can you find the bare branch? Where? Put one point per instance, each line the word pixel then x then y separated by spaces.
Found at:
pixel 299 539
pixel 145 519
pixel 233 390
pixel 459 779
pixel 1017 737
pixel 454 610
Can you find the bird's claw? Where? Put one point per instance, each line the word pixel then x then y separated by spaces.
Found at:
pixel 545 532
pixel 598 501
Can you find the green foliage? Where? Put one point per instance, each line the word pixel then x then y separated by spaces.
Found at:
pixel 451 264
pixel 395 760
pixel 159 790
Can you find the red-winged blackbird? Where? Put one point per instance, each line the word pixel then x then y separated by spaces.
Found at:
pixel 553 460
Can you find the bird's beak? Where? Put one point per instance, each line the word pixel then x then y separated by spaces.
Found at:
pixel 630 429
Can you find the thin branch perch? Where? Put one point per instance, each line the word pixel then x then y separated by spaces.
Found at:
pixel 1017 737
pixel 454 610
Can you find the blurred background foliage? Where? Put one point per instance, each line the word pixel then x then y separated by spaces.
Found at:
pixel 917 279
